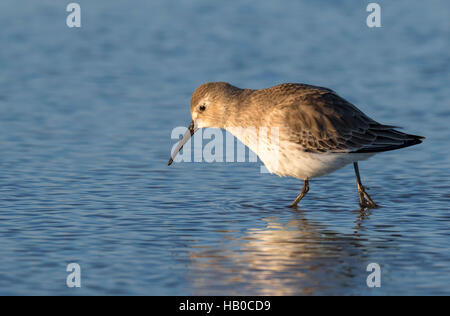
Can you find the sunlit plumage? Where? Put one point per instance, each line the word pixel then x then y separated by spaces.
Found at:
pixel 316 131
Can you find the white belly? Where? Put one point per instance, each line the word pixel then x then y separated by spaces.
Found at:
pixel 288 159
pixel 304 165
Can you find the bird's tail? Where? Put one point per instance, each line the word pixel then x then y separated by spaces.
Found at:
pixel 391 139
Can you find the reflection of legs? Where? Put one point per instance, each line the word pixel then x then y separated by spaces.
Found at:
pixel 364 199
pixel 305 190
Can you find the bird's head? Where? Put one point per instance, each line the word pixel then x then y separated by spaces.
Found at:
pixel 210 107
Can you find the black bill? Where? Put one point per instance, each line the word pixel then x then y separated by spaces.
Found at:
pixel 191 130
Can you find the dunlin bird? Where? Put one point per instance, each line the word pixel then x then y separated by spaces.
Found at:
pixel 317 131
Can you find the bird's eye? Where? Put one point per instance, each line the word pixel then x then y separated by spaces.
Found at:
pixel 202 107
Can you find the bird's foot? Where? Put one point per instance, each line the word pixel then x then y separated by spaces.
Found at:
pixel 297 200
pixel 365 201
pixel 302 194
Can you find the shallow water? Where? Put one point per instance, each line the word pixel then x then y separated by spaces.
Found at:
pixel 85 122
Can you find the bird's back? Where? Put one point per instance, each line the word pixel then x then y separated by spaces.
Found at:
pixel 319 120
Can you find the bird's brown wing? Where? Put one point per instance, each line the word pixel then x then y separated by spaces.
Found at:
pixel 321 121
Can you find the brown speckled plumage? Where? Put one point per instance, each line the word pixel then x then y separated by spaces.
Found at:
pixel 314 117
pixel 317 131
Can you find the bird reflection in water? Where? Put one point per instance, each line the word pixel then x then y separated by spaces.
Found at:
pixel 294 258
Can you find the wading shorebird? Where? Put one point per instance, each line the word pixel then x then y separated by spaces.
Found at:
pixel 317 131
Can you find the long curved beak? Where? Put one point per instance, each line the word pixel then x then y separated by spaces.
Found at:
pixel 191 130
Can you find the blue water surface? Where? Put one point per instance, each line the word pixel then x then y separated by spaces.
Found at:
pixel 86 116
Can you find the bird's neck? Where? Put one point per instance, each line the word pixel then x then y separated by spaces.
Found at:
pixel 242 112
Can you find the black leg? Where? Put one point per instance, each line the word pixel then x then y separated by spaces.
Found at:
pixel 364 199
pixel 305 190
